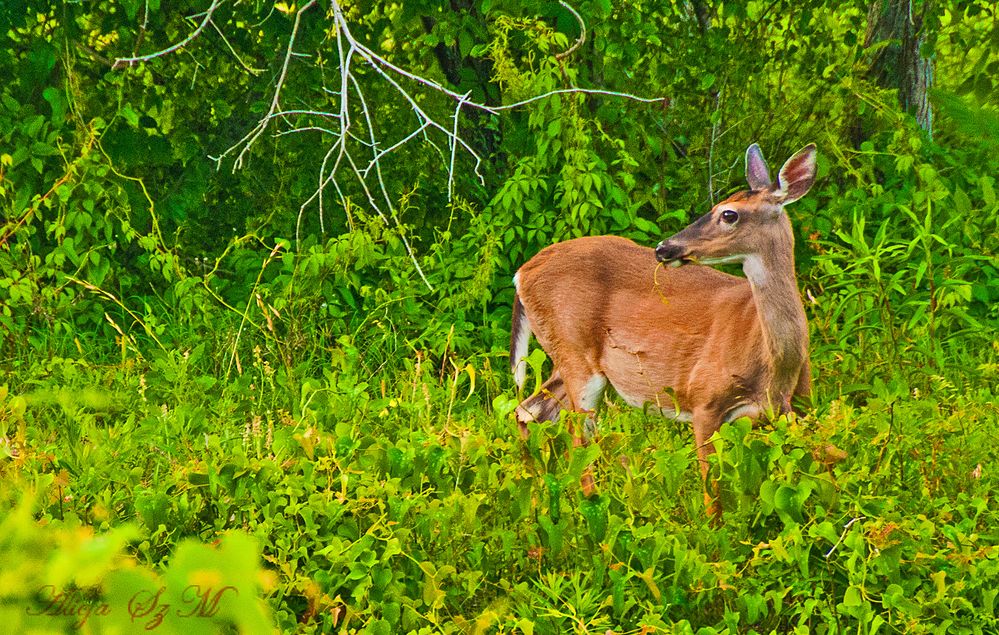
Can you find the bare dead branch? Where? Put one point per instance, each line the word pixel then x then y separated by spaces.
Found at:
pixel 582 32
pixel 454 147
pixel 395 146
pixel 128 61
pixel 246 67
pixel 248 141
pixel 575 90
pixel 285 133
pixel 409 88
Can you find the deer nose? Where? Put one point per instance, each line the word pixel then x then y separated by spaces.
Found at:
pixel 667 252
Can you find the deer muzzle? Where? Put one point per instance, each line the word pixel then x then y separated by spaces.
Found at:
pixel 670 253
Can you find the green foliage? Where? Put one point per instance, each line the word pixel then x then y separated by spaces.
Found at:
pixel 210 385
pixel 67 579
pixel 404 507
pixel 912 280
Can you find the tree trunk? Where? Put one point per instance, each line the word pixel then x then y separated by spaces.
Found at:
pixel 899 64
pixel 703 11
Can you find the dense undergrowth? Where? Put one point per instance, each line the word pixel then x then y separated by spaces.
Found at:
pixel 218 414
pixel 386 489
pixel 410 503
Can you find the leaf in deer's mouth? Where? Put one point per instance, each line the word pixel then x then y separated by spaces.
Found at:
pixel 682 260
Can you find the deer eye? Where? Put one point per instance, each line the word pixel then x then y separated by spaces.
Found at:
pixel 730 216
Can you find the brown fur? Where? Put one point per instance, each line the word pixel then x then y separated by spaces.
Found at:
pixel 693 330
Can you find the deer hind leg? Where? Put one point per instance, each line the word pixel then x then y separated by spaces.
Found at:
pixel 581 393
pixel 545 405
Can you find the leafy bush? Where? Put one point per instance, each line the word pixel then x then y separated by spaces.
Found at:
pixel 299 407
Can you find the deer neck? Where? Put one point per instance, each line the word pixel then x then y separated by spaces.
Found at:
pixel 782 317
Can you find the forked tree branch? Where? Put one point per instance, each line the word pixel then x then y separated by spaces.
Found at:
pixel 254 134
pixel 128 61
pixel 340 160
pixel 582 32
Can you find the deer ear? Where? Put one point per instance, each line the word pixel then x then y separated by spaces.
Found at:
pixel 757 172
pixel 797 175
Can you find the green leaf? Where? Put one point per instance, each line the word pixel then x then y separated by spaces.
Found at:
pixel 768 491
pixel 594 510
pixel 131 8
pixel 785 498
pixel 988 601
pixel 582 458
pixel 988 192
pixel 130 115
pixel 57 102
pixel 465 43
pixel 940 583
pixel 826 530
pixel 876 623
pixel 551 534
pixel 379 627
pixel 853 597
pixel 33 126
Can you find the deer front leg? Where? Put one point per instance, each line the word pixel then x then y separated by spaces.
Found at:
pixel 706 423
pixel 585 388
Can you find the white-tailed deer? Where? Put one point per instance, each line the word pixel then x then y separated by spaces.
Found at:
pixel 695 343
